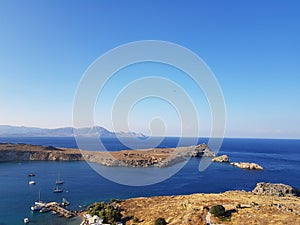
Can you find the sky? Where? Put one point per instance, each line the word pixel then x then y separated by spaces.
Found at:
pixel 252 47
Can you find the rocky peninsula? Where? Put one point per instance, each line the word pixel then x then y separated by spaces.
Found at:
pixel 155 157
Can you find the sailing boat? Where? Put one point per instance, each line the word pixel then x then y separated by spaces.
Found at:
pixel 58 180
pixel 38 205
pixel 57 189
pixel 65 202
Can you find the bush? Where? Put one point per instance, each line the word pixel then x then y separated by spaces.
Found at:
pixel 217 210
pixel 107 212
pixel 160 221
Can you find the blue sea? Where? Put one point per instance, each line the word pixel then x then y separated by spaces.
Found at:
pixel 83 186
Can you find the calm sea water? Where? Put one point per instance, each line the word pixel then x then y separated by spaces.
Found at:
pixel 280 158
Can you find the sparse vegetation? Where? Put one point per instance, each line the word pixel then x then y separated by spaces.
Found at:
pixel 170 208
pixel 108 212
pixel 160 221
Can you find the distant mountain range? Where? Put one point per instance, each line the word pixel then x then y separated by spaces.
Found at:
pixel 21 131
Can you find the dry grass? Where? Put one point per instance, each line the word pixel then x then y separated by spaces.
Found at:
pixel 189 209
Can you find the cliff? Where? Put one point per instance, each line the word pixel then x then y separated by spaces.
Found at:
pixel 25 152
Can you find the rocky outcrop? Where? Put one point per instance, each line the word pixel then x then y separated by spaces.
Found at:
pixel 202 150
pixel 275 189
pixel 221 159
pixel 247 165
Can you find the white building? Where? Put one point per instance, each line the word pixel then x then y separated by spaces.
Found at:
pixel 94 220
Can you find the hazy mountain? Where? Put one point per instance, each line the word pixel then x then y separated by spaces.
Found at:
pixel 16 131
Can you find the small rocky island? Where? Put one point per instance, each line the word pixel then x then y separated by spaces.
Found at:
pixel 241 165
pixel 155 157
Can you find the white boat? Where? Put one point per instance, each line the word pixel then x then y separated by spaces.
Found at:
pixel 57 189
pixel 31 182
pixel 38 205
pixel 45 209
pixel 58 180
pixel 26 220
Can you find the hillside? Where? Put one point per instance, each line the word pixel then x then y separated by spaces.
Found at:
pixel 191 209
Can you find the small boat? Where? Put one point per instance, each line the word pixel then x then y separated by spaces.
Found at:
pixel 38 205
pixel 65 202
pixel 31 174
pixel 45 209
pixel 53 212
pixel 58 180
pixel 36 208
pixel 26 220
pixel 31 182
pixel 57 189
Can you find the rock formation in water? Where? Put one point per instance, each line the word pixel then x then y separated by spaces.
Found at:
pixel 247 165
pixel 221 159
pixel 275 189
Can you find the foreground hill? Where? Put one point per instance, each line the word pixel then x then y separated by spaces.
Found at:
pixel 246 209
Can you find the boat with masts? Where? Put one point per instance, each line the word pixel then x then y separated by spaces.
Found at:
pixel 65 202
pixel 57 189
pixel 38 205
pixel 58 180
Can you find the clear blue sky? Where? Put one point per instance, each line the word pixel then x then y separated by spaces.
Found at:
pixel 253 48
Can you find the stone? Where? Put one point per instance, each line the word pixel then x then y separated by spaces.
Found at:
pixel 221 159
pixel 263 188
pixel 247 165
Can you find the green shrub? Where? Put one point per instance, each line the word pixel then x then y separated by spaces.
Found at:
pixel 217 210
pixel 107 212
pixel 160 221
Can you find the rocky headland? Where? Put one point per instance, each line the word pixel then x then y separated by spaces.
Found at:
pixel 155 157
